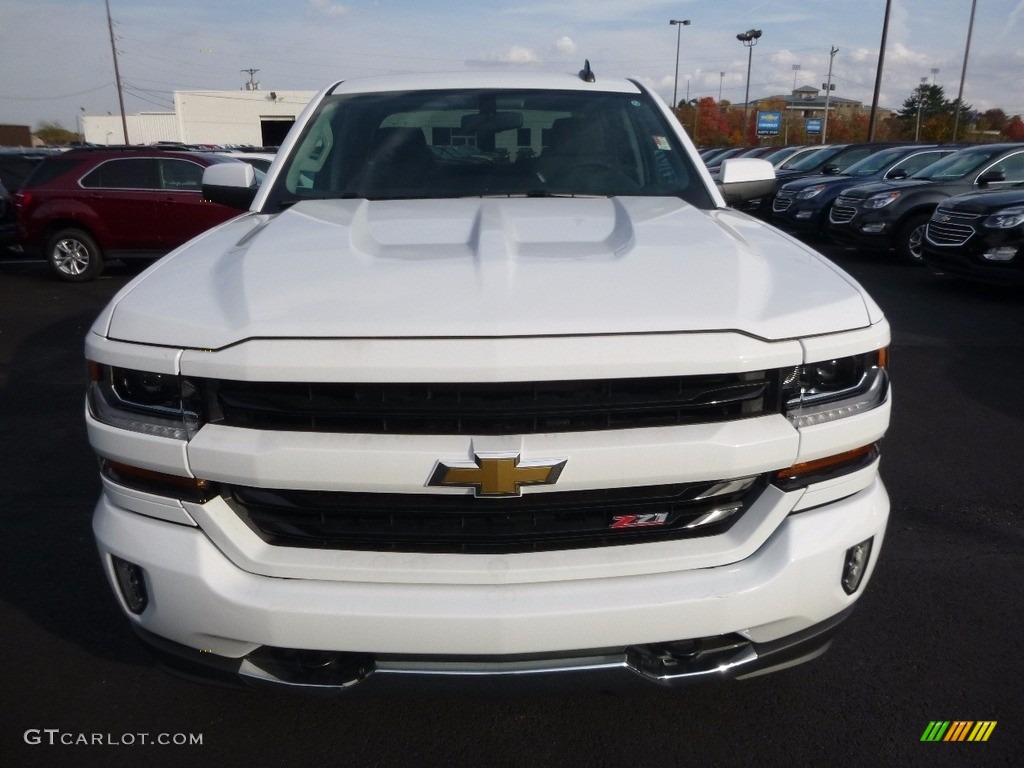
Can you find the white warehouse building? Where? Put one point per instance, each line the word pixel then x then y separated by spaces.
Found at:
pixel 258 118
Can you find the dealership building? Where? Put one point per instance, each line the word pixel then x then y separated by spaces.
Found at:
pixel 249 117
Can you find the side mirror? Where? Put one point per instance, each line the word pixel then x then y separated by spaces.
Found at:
pixel 988 177
pixel 896 174
pixel 230 184
pixel 745 178
pixel 830 170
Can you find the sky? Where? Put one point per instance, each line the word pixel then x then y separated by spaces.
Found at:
pixel 56 62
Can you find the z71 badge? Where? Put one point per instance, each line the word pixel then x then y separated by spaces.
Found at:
pixel 639 521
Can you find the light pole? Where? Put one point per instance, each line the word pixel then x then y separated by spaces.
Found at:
pixel 791 103
pixel 721 79
pixel 749 40
pixel 920 101
pixel 678 24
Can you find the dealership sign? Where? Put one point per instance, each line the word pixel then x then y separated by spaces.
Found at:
pixel 768 123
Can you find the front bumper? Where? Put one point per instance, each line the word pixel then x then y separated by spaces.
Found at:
pixel 878 238
pixel 968 262
pixel 773 608
pixel 729 657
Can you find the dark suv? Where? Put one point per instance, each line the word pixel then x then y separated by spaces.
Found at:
pixel 893 214
pixel 979 236
pixel 802 206
pixel 829 159
pixel 89 205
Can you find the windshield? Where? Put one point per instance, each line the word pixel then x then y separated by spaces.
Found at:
pixel 474 143
pixel 875 163
pixel 806 161
pixel 779 155
pixel 957 165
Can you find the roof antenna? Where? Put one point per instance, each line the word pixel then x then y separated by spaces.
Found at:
pixel 587 74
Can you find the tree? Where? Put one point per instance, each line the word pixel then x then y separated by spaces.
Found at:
pixel 56 135
pixel 932 100
pixel 992 120
pixel 929 108
pixel 1014 130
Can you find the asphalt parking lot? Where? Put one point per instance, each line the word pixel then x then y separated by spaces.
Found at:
pixel 936 636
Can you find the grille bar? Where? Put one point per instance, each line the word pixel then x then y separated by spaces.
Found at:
pixel 950 229
pixel 446 523
pixel 492 409
pixel 783 200
pixel 840 213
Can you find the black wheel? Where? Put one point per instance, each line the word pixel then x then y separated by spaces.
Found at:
pixel 910 239
pixel 74 256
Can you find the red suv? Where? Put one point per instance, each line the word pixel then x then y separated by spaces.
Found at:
pixel 92 204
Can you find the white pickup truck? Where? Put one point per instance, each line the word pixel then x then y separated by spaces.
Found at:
pixel 488 384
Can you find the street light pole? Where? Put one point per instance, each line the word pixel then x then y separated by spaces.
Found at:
pixel 920 101
pixel 749 40
pixel 678 24
pixel 791 105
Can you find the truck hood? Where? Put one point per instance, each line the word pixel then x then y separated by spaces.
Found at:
pixel 485 268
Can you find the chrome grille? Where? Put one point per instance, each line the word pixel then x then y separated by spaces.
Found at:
pixel 841 213
pixel 783 201
pixel 947 228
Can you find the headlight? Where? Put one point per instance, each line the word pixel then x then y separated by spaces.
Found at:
pixel 881 200
pixel 159 404
pixel 1007 218
pixel 807 194
pixel 834 389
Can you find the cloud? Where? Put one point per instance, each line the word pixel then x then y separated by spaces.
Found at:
pixel 565 46
pixel 516 54
pixel 328 8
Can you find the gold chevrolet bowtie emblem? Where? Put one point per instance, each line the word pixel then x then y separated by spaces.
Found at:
pixel 496 475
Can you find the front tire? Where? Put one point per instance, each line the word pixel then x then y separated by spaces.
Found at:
pixel 910 239
pixel 74 256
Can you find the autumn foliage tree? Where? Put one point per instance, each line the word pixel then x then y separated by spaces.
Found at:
pixel 55 135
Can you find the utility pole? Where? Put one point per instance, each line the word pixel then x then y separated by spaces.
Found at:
pixel 878 74
pixel 117 74
pixel 828 92
pixel 963 72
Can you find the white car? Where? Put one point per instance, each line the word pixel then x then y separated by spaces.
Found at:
pixel 546 409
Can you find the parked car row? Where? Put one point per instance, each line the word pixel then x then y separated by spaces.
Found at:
pixel 88 205
pixel 958 209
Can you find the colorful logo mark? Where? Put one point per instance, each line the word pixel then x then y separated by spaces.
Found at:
pixel 958 730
